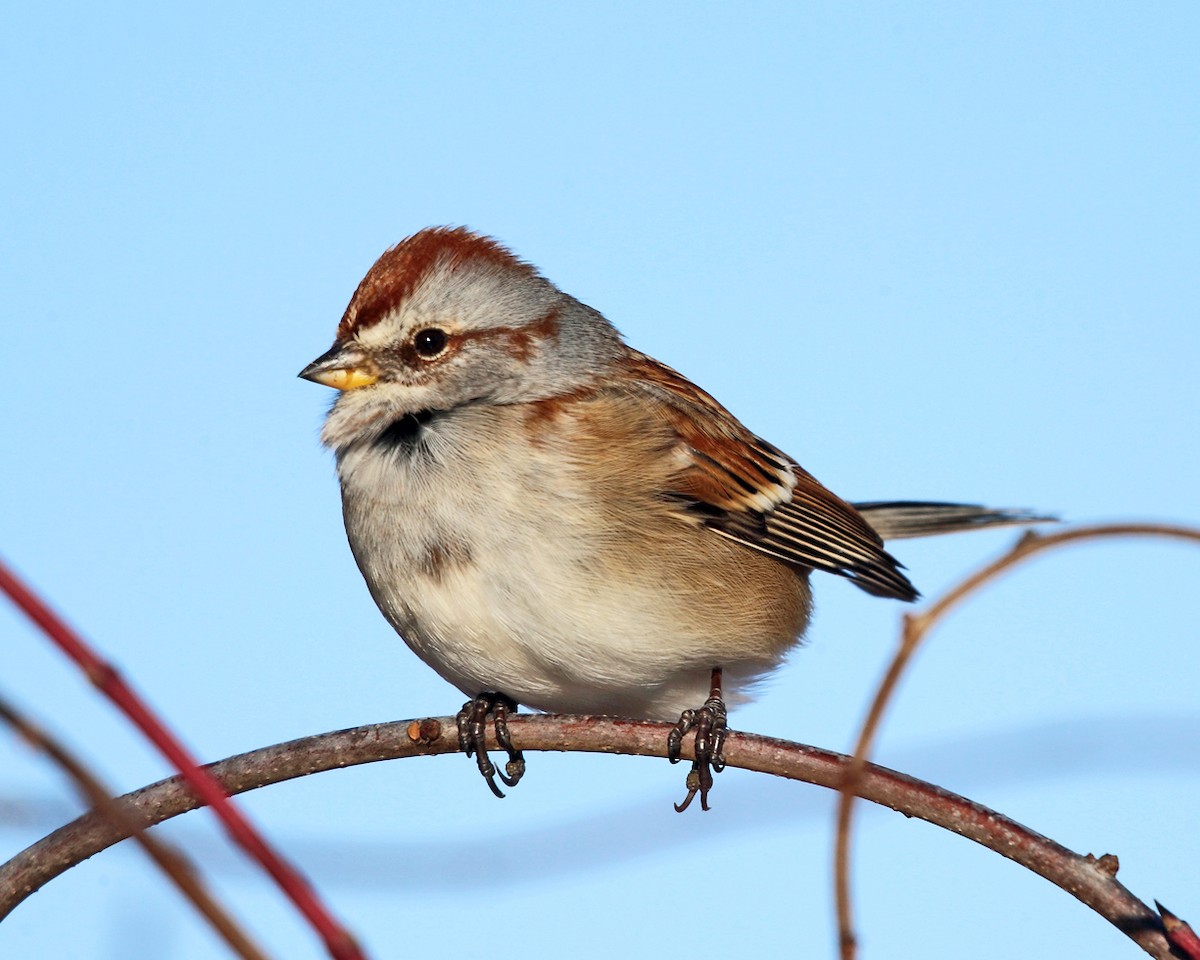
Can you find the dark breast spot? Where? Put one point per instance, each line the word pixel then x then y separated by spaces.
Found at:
pixel 445 556
pixel 403 435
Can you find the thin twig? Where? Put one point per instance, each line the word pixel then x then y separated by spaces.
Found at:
pixel 338 941
pixel 1088 879
pixel 171 861
pixel 916 628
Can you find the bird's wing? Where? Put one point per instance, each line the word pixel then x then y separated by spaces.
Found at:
pixel 743 488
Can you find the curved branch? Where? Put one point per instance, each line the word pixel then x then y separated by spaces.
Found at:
pixel 173 863
pixel 916 628
pixel 338 941
pixel 1085 877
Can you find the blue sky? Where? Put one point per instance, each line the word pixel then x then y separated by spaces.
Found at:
pixel 940 251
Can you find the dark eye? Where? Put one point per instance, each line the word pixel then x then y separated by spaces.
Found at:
pixel 430 342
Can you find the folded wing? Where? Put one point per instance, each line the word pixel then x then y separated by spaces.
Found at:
pixel 747 490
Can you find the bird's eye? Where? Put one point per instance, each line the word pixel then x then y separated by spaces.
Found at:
pixel 430 342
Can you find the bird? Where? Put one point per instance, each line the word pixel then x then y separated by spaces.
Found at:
pixel 550 518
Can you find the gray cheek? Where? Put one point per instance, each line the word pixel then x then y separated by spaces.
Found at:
pixel 484 372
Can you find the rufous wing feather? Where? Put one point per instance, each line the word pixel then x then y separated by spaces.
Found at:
pixel 743 488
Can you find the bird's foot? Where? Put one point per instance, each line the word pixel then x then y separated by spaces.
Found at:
pixel 472 738
pixel 709 722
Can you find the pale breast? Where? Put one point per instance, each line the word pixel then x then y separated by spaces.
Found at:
pixel 529 549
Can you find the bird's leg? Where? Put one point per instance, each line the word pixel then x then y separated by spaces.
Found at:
pixel 709 722
pixel 472 737
pixel 514 767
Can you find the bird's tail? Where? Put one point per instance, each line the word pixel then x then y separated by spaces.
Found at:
pixel 900 519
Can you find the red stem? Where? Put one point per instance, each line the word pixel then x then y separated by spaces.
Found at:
pixel 337 939
pixel 1180 935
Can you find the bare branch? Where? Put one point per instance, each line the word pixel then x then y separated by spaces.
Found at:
pixel 171 861
pixel 916 627
pixel 105 677
pixel 1087 878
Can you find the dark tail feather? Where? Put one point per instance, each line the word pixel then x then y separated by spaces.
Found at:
pixel 899 519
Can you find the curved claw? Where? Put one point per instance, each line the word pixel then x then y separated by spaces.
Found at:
pixel 514 769
pixel 472 738
pixel 710 724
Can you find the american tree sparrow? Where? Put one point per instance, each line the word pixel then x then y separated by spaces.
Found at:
pixel 550 518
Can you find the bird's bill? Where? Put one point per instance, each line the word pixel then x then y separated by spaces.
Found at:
pixel 342 368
